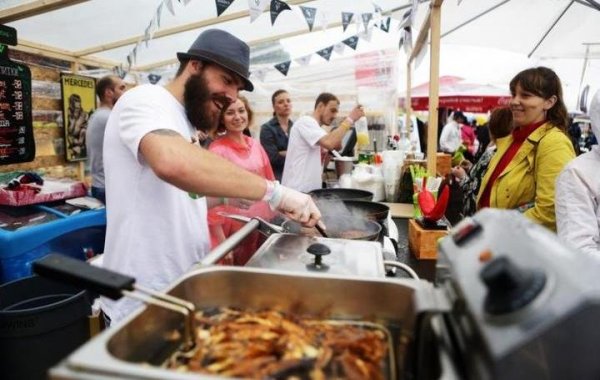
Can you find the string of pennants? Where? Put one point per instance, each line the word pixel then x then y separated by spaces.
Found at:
pixel 276 7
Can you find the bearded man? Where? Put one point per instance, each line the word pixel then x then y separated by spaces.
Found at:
pixel 304 161
pixel 158 177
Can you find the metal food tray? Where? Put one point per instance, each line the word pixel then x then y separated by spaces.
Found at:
pixel 136 347
pixel 388 367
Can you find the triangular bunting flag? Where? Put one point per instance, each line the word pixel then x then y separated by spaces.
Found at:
pixel 352 42
pixel 309 14
pixel 346 19
pixel 257 7
pixel 128 61
pixel 325 53
pixel 158 15
pixel 222 5
pixel 366 18
pixel 277 7
pixel 406 19
pixel 324 20
pixel 283 67
pixel 146 38
pixel 366 34
pixel 186 2
pixel 303 61
pixel 169 4
pixel 154 78
pixel 377 8
pixel 385 24
pixel 413 14
pixel 260 74
pixel 407 40
pixel 339 48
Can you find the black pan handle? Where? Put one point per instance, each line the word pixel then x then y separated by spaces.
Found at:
pixel 81 274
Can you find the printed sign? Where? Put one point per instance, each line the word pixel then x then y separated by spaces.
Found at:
pixel 16 123
pixel 79 101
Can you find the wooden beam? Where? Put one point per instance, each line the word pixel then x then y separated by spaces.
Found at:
pixel 65 55
pixel 34 8
pixel 174 30
pixel 434 88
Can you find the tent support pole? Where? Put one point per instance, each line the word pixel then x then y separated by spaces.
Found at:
pixel 550 29
pixel 434 89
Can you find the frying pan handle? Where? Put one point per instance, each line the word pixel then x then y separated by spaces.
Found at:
pixel 79 273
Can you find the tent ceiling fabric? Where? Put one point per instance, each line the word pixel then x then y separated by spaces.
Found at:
pixel 94 23
pixel 518 25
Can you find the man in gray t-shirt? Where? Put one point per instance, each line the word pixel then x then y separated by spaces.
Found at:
pixel 108 89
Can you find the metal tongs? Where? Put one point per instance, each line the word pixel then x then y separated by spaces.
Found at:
pixel 264 227
pixel 114 286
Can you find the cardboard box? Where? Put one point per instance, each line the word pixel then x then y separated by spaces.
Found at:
pixel 423 243
pixel 443 164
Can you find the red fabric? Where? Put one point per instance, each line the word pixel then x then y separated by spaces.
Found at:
pixel 467 133
pixel 253 158
pixel 519 136
pixel 51 190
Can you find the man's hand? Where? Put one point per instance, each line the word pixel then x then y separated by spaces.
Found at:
pixel 295 205
pixel 357 112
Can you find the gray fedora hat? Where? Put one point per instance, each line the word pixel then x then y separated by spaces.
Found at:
pixel 225 50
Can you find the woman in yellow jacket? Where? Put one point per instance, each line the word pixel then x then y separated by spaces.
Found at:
pixel 522 173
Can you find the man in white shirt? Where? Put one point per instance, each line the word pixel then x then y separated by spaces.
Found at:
pixel 109 89
pixel 157 176
pixel 577 199
pixel 303 165
pixel 451 138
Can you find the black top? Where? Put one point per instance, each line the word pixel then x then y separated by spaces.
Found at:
pixel 274 140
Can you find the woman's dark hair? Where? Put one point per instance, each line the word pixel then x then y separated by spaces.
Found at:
pixel 221 128
pixel 275 95
pixel 543 82
pixel 500 124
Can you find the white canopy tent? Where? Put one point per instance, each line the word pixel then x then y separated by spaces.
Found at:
pixel 103 33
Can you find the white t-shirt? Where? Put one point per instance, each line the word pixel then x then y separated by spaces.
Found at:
pixel 302 169
pixel 450 139
pixel 94 137
pixel 155 231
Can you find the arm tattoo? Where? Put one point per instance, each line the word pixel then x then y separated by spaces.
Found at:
pixel 165 132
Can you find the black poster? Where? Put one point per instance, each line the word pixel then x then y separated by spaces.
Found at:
pixel 16 124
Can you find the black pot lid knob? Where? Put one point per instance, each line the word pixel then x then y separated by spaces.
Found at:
pixel 510 288
pixel 318 250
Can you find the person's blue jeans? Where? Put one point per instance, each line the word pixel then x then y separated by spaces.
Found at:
pixel 99 194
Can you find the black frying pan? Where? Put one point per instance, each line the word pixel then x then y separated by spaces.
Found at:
pixel 367 230
pixel 342 194
pixel 371 210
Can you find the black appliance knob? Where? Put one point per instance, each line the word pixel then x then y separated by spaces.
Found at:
pixel 509 287
pixel 318 250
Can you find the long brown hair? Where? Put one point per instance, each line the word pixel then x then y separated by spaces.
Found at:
pixel 543 82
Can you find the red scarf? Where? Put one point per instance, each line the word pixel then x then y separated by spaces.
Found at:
pixel 519 136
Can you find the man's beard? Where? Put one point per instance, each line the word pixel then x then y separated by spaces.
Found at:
pixel 196 100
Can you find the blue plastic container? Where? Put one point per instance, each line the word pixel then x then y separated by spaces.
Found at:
pixel 79 235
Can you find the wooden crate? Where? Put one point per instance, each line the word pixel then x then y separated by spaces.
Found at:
pixel 423 243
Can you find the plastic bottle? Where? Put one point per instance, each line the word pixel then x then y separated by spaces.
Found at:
pixel 362 132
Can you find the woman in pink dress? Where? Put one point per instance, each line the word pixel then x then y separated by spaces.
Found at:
pixel 247 153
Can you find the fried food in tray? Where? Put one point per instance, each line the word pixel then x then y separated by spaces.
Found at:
pixel 274 345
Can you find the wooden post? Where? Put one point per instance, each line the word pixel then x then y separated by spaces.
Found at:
pixel 407 98
pixel 434 74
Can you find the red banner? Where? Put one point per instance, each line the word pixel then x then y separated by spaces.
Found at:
pixel 476 104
